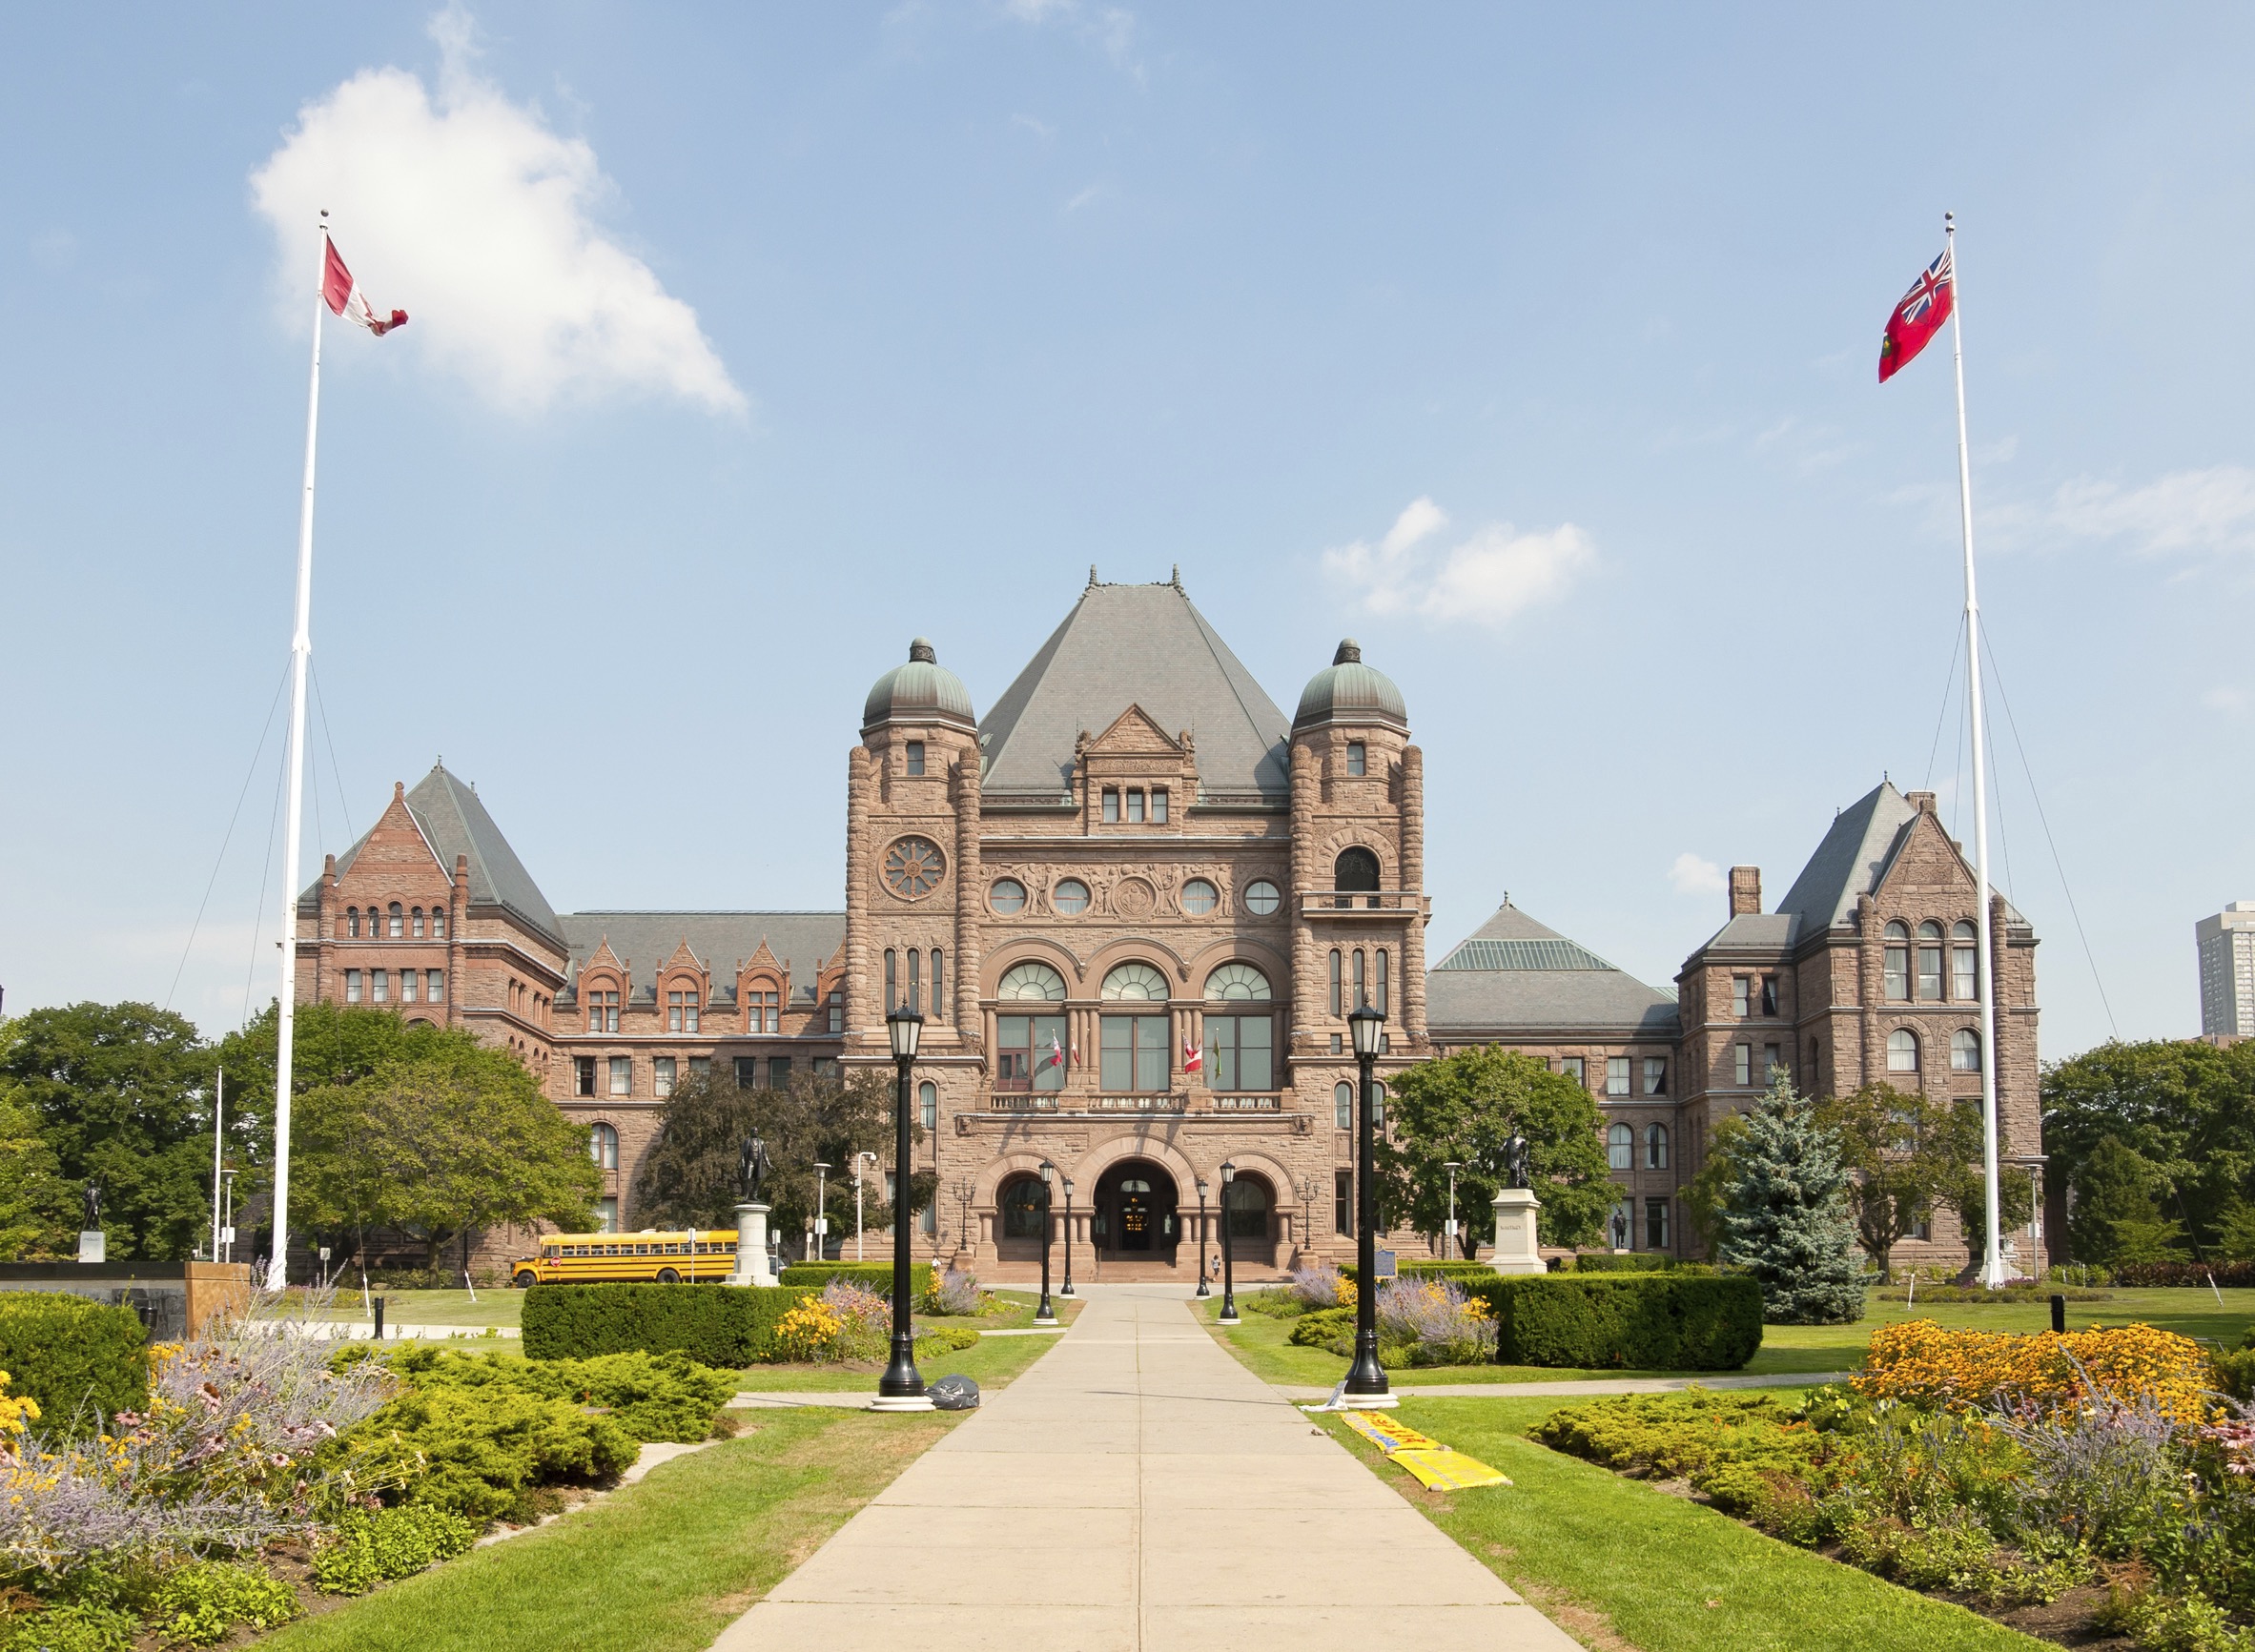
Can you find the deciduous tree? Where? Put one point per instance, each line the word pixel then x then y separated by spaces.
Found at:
pixel 1909 1153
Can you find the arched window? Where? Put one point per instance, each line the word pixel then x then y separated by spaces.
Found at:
pixel 1897 970
pixel 1247 1200
pixel 1200 897
pixel 1965 975
pixel 939 1003
pixel 1965 1051
pixel 916 982
pixel 928 1104
pixel 416 918
pixel 1361 980
pixel 1238 981
pixel 1620 1148
pixel 1378 1105
pixel 1343 1105
pixel 1021 1209
pixel 399 921
pixel 1336 1008
pixel 602 1146
pixel 1007 896
pixel 891 981
pixel 1902 1051
pixel 1032 981
pixel 1138 981
pixel 438 923
pixel 1930 962
pixel 1655 1146
pixel 1069 897
pixel 352 921
pixel 1355 871
pixel 1383 972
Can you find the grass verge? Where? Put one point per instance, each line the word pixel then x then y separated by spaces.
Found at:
pixel 992 1364
pixel 660 1566
pixel 1623 1565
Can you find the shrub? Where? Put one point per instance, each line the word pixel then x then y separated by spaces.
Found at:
pixel 1320 1327
pixel 941 1340
pixel 200 1604
pixel 956 1293
pixel 79 1360
pixel 1628 1262
pixel 1320 1285
pixel 650 1395
pixel 720 1325
pixel 71 1628
pixel 1428 1268
pixel 1434 1323
pixel 1274 1304
pixel 365 1549
pixel 2235 1372
pixel 876 1277
pixel 1670 1321
pixel 1918 1360
pixel 2229 1275
pixel 482 1453
pixel 808 1333
pixel 1729 1445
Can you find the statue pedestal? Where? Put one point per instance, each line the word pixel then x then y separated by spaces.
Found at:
pixel 1515 1251
pixel 752 1247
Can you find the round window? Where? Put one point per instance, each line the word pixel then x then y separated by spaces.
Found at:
pixel 1262 897
pixel 912 866
pixel 1070 897
pixel 1200 897
pixel 1008 896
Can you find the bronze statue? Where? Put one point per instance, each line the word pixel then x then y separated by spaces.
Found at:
pixel 753 1168
pixel 92 1194
pixel 1514 1166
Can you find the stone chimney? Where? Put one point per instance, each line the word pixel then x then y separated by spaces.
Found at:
pixel 1922 801
pixel 1746 891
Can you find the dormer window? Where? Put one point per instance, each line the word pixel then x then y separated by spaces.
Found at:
pixel 915 757
pixel 761 1010
pixel 602 1011
pixel 438 923
pixel 1358 758
pixel 352 922
pixel 398 922
pixel 681 1010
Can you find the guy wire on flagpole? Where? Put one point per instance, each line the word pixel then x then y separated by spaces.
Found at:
pixel 300 656
pixel 1993 1254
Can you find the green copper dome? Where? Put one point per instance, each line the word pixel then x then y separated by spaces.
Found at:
pixel 921 691
pixel 1349 691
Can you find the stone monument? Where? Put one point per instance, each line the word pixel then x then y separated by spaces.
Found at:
pixel 1515 1207
pixel 92 1246
pixel 753 1167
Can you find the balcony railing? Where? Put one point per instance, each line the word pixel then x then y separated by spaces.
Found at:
pixel 1049 1101
pixel 1337 902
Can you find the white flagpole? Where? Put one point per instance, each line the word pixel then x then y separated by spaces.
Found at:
pixel 218 1156
pixel 300 656
pixel 1992 1255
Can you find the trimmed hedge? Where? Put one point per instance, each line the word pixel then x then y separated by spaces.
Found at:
pixel 722 1325
pixel 1430 1268
pixel 874 1276
pixel 1626 1262
pixel 2229 1276
pixel 69 1354
pixel 1637 1322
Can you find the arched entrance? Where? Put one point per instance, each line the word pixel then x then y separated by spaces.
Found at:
pixel 1133 1218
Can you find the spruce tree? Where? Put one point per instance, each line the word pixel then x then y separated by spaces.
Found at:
pixel 1784 1216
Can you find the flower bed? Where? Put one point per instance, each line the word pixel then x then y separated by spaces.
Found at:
pixel 2076 1486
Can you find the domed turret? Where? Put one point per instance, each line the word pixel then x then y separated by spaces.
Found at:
pixel 921 691
pixel 1349 691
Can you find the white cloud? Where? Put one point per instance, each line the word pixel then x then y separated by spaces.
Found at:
pixel 1485 581
pixel 2185 511
pixel 468 211
pixel 1690 875
pixel 1111 27
pixel 2234 701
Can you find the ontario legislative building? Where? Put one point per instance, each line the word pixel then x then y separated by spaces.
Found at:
pixel 1135 902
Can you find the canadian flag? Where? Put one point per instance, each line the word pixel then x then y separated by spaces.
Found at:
pixel 1192 1059
pixel 344 297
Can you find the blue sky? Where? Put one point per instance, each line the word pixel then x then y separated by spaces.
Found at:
pixel 1532 346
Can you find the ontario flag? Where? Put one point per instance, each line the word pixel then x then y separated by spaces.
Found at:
pixel 344 297
pixel 1919 317
pixel 1056 1056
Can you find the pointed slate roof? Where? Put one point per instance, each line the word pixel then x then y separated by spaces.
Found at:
pixel 1516 973
pixel 1852 858
pixel 454 822
pixel 1144 645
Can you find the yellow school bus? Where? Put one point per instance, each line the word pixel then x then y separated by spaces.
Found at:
pixel 667 1257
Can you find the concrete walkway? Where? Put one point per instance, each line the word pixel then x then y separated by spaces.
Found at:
pixel 1139 1491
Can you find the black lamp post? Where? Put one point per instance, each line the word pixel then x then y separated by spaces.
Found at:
pixel 1228 1271
pixel 902 1386
pixel 1045 1314
pixel 1367 1385
pixel 1202 1289
pixel 1067 1289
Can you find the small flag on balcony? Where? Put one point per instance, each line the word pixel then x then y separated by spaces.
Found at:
pixel 1192 1059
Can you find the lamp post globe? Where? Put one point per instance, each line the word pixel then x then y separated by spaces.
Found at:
pixel 1366 1384
pixel 1202 1289
pixel 1228 1314
pixel 1045 1314
pixel 902 1386
pixel 1066 1289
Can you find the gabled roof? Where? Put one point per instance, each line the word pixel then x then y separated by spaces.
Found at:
pixel 647 940
pixel 1516 975
pixel 454 822
pixel 1144 645
pixel 1851 859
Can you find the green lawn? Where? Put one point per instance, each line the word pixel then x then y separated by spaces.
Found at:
pixel 992 1364
pixel 499 1306
pixel 1661 1574
pixel 1261 1341
pixel 661 1566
